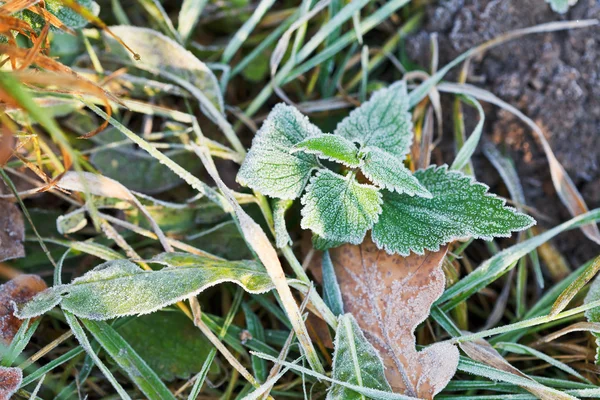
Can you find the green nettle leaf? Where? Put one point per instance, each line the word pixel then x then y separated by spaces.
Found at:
pixel 561 6
pixel 356 362
pixel 64 13
pixel 339 208
pixel 460 208
pixel 331 147
pixel 383 121
pixel 388 172
pixel 269 167
pixel 593 314
pixel 169 343
pixel 119 288
pixel 320 243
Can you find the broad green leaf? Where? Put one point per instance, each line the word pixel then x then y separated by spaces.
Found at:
pixel 383 121
pixel 332 295
pixel 330 147
pixel 387 171
pixel 128 360
pixel 460 208
pixel 162 55
pixel 269 167
pixel 118 288
pixel 339 208
pixel 169 343
pixel 64 13
pixel 561 6
pixel 593 315
pixel 320 243
pixel 355 361
pixel 282 237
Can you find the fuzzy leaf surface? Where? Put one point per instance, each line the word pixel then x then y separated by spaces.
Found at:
pixel 282 237
pixel 356 362
pixel 269 167
pixel 390 296
pixel 383 121
pixel 339 208
pixel 159 54
pixel 388 172
pixel 460 208
pixel 330 147
pixel 119 288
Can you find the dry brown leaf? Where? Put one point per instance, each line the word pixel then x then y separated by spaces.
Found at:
pixel 480 350
pixel 12 231
pixel 10 380
pixel 390 295
pixel 19 290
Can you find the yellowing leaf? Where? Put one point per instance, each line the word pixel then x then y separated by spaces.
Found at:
pixel 12 232
pixel 389 296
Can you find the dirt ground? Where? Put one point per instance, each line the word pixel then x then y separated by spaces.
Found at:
pixel 553 78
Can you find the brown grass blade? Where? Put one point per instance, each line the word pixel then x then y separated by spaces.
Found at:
pixel 389 296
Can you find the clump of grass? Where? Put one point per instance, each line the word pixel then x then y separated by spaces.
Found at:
pixel 169 280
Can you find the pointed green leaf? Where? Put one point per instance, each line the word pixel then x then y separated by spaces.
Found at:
pixel 269 167
pixel 356 362
pixel 118 288
pixel 383 121
pixel 254 326
pixel 330 147
pixel 388 172
pixel 460 208
pixel 332 295
pixel 161 55
pixel 282 237
pixel 339 208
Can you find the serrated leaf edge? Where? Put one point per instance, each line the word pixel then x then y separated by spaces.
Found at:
pixel 472 182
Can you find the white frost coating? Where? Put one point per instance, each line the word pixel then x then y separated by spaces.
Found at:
pixel 120 288
pixel 355 361
pixel 383 121
pixel 388 172
pixel 460 208
pixel 330 147
pixel 160 53
pixel 10 380
pixel 339 208
pixel 269 167
pixel 282 237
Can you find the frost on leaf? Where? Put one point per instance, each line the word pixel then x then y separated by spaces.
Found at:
pixel 330 147
pixel 17 291
pixel 282 237
pixel 561 6
pixel 460 208
pixel 65 14
pixel 339 208
pixel 269 167
pixel 593 314
pixel 390 296
pixel 10 380
pixel 160 54
pixel 119 288
pixel 355 361
pixel 383 121
pixel 388 172
pixel 12 232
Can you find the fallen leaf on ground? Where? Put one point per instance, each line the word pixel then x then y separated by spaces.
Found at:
pixel 12 231
pixel 20 290
pixel 390 295
pixel 10 380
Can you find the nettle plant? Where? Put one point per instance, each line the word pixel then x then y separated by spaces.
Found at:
pixel 371 188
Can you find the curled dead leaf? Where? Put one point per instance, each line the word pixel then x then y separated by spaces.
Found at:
pixel 18 290
pixel 390 295
pixel 10 380
pixel 12 231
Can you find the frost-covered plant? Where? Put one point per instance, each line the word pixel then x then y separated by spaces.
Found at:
pixel 368 186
